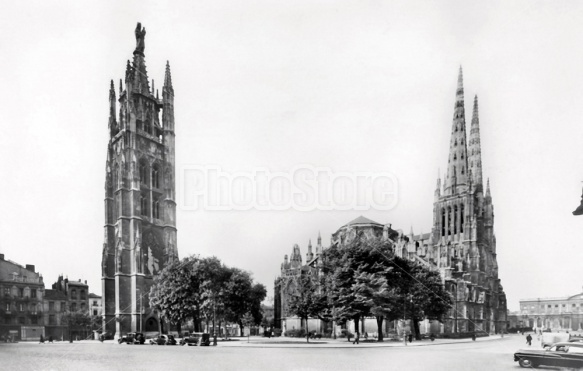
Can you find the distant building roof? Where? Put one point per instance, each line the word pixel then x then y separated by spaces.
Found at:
pixel 94 296
pixel 362 220
pixel 54 295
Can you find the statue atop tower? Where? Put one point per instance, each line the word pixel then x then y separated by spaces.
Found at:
pixel 140 38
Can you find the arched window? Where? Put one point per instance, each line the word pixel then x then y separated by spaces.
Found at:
pixel 143 170
pixel 442 222
pixel 449 220
pixel 144 204
pixel 155 177
pixel 462 218
pixel 156 209
pixel 73 294
pixel 73 307
pixel 455 219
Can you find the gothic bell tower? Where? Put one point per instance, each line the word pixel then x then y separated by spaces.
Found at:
pixel 140 207
pixel 464 245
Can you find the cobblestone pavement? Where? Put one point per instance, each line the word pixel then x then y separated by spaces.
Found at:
pixel 492 353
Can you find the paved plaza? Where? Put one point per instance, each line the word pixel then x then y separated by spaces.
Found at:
pixel 494 353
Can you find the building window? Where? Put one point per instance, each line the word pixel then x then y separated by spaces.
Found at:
pixel 34 320
pixel 51 306
pixel 7 291
pixel 155 177
pixel 73 307
pixel 52 319
pixel 82 306
pixel 144 204
pixel 73 294
pixel 20 307
pixel 33 293
pixel 8 307
pixel 21 320
pixel 21 292
pixel 143 174
pixel 82 294
pixel 63 306
pixel 156 209
pixel 94 312
pixel 94 303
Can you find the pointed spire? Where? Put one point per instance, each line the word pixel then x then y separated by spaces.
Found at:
pixel 319 239
pixel 457 169
pixel 411 231
pixel 488 188
pixel 112 121
pixel 475 151
pixel 168 78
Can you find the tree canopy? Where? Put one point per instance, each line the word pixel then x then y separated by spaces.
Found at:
pixel 365 278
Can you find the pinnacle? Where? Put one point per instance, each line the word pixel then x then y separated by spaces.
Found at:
pixel 168 76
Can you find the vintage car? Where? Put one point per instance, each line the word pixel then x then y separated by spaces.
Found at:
pixel 196 338
pixel 562 354
pixel 132 338
pixel 163 340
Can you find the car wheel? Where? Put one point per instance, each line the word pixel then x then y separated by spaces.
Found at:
pixel 527 363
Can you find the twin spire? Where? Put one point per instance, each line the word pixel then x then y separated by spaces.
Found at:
pixel 463 171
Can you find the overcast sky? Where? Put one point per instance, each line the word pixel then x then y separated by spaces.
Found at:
pixel 349 86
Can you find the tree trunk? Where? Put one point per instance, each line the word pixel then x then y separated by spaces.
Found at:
pixel 307 331
pixel 380 327
pixel 356 325
pixel 241 327
pixel 416 328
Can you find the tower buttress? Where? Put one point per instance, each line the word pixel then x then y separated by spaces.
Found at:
pixel 457 168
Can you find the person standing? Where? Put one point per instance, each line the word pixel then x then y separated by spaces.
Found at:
pixel 356 338
pixel 529 340
pixel 42 340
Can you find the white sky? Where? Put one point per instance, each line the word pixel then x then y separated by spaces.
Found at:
pixel 363 86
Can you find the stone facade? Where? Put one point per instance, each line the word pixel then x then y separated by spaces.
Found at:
pixel 554 314
pixel 461 244
pixel 54 307
pixel 21 296
pixel 140 207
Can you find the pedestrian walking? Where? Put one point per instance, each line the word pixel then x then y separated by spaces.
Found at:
pixel 529 340
pixel 356 338
pixel 42 340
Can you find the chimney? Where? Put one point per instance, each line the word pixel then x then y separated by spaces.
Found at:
pixel 85 281
pixel 30 267
pixel 1 256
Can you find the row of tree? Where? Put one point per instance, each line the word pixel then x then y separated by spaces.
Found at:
pixel 204 289
pixel 364 278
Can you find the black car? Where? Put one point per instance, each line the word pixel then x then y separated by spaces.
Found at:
pixel 132 338
pixel 196 338
pixel 558 355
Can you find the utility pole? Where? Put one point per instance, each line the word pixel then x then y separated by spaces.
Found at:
pixel 404 320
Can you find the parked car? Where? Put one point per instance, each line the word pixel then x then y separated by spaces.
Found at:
pixel 562 354
pixel 550 338
pixel 132 338
pixel 158 340
pixel 170 340
pixel 163 340
pixel 196 338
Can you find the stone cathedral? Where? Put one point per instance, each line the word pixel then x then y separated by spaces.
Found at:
pixel 140 207
pixel 461 245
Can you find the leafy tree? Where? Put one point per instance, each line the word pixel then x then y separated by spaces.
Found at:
pixel 306 302
pixel 177 290
pixel 238 291
pixel 366 278
pixel 429 298
pixel 258 294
